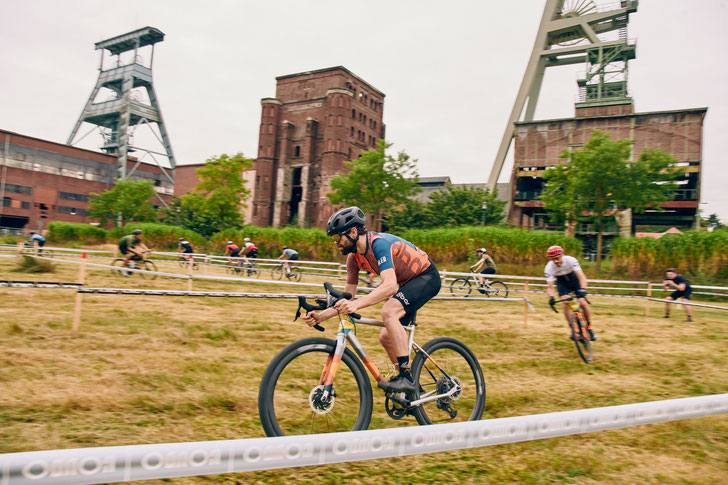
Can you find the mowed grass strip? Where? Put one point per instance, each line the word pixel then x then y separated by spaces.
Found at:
pixel 153 369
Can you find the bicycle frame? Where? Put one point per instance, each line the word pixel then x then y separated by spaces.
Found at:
pixel 347 327
pixel 575 307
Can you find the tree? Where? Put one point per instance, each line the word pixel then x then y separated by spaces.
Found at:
pixel 412 213
pixel 376 181
pixel 223 189
pixel 600 179
pixel 459 206
pixel 128 200
pixel 189 212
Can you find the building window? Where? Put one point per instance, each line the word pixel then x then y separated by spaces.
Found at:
pixel 72 210
pixel 72 196
pixel 353 114
pixel 6 201
pixel 20 189
pixel 352 132
pixel 297 151
pixel 25 205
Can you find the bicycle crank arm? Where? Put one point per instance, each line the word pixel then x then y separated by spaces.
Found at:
pixel 401 401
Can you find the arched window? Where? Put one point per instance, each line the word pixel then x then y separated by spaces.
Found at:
pixel 297 151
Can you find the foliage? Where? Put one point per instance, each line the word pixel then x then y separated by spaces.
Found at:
pixel 377 181
pixel 189 212
pixel 712 221
pixel 518 246
pixel 74 231
pixel 128 200
pixel 600 178
pixel 29 264
pixel 311 243
pixel 223 190
pixel 691 252
pixel 159 236
pixel 455 206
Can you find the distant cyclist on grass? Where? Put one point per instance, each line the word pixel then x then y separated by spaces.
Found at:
pixel 486 260
pixel 37 238
pixel 409 280
pixel 132 245
pixel 287 255
pixel 566 272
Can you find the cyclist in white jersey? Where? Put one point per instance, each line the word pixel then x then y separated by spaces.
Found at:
pixel 566 272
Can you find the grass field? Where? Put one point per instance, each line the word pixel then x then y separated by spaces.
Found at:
pixel 154 369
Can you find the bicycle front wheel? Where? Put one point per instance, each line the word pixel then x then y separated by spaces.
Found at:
pixel 295 274
pixel 497 289
pixel 460 287
pixel 182 263
pixel 290 397
pixel 450 369
pixel 277 273
pixel 581 339
pixel 147 266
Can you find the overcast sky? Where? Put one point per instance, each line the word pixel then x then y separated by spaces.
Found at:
pixel 450 70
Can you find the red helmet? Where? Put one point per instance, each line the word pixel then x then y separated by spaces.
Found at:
pixel 554 251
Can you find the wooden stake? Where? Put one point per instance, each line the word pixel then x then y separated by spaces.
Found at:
pixel 647 302
pixel 525 305
pixel 79 296
pixel 190 262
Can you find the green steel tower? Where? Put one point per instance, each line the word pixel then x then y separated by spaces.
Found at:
pixel 124 99
pixel 574 32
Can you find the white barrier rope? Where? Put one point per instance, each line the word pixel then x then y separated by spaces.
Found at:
pixel 168 460
pixel 689 303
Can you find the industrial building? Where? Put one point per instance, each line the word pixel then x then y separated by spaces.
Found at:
pixel 317 121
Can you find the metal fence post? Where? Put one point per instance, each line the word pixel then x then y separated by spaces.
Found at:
pixel 525 305
pixel 649 295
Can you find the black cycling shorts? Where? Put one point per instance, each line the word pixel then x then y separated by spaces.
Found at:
pixel 188 251
pixel 567 283
pixel 293 258
pixel 681 294
pixel 252 254
pixel 488 271
pixel 234 253
pixel 124 250
pixel 418 291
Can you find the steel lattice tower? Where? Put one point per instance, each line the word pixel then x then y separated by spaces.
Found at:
pixel 569 34
pixel 126 109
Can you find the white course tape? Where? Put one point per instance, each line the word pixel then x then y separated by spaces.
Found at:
pixel 144 462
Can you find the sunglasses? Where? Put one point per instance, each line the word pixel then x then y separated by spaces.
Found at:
pixel 337 237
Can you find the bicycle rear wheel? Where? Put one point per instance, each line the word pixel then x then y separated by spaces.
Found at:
pixel 497 289
pixel 456 367
pixel 289 399
pixel 460 287
pixel 581 339
pixel 118 270
pixel 147 266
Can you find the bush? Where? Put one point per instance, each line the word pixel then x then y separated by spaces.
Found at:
pixel 160 236
pixel 693 252
pixel 29 264
pixel 311 243
pixel 518 246
pixel 73 231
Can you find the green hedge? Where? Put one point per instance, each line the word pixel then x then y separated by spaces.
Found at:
pixel 311 243
pixel 159 236
pixel 693 252
pixel 73 231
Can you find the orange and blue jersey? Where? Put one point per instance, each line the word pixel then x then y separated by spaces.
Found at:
pixel 384 251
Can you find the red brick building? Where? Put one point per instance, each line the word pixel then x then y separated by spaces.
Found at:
pixel 538 145
pixel 43 181
pixel 317 121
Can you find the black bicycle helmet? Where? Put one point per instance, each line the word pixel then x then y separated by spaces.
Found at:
pixel 136 232
pixel 345 219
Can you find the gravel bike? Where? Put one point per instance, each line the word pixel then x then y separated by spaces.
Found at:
pixel 184 261
pixel 463 287
pixel 29 248
pixel 136 262
pixel 249 269
pixel 279 271
pixel 577 324
pixel 319 385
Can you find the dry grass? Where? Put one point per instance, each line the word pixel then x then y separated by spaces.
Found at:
pixel 165 369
